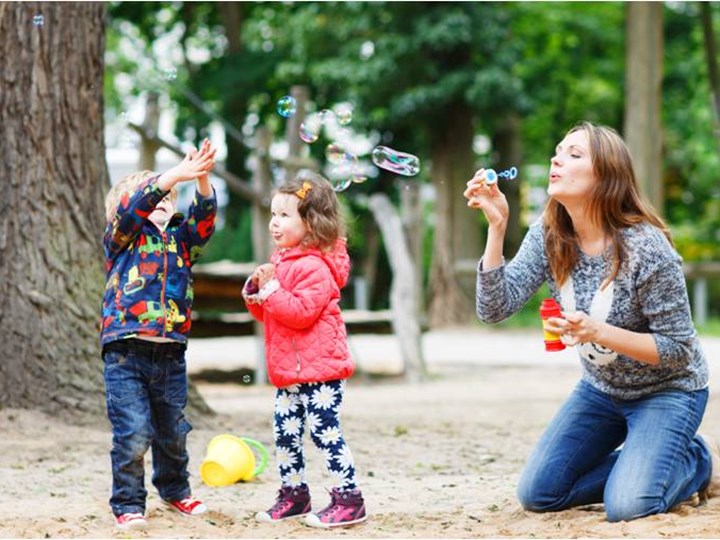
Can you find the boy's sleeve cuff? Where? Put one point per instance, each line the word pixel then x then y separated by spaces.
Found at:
pixel 267 289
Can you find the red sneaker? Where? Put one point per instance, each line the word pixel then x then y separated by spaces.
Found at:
pixel 189 506
pixel 131 520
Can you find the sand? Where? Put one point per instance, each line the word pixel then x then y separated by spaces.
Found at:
pixel 438 459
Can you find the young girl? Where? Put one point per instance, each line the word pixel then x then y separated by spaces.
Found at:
pixel 297 297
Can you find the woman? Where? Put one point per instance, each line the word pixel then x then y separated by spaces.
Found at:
pixel 627 435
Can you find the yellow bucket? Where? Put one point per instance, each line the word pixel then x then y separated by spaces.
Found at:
pixel 230 459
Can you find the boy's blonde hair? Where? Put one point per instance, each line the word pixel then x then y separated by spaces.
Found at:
pixel 126 187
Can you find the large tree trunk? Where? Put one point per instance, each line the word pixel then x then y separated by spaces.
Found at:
pixel 54 177
pixel 643 80
pixel 457 242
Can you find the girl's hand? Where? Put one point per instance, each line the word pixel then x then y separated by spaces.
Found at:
pixel 487 198
pixel 263 274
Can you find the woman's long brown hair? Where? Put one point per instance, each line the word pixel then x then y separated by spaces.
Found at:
pixel 614 204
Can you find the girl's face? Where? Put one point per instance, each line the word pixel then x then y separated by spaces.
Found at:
pixel 286 226
pixel 571 171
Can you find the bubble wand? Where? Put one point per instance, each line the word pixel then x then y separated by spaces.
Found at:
pixel 491 177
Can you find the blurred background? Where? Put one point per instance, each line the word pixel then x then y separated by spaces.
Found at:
pixel 459 85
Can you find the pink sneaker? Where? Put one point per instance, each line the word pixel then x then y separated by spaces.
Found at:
pixel 291 502
pixel 131 520
pixel 189 506
pixel 345 508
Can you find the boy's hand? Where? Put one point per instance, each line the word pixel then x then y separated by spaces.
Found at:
pixel 196 163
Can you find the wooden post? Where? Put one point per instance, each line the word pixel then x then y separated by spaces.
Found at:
pixel 403 303
pixel 148 144
pixel 262 185
pixel 411 213
pixel 643 90
pixel 295 145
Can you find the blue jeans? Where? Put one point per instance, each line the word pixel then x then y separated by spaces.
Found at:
pixel 579 461
pixel 146 392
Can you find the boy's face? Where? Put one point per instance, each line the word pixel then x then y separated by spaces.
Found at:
pixel 163 211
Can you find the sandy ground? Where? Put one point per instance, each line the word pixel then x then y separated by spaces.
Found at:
pixel 435 459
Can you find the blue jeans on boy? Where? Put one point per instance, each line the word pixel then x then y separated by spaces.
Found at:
pixel 146 392
pixel 577 461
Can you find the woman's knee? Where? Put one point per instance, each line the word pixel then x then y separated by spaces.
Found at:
pixel 629 506
pixel 534 497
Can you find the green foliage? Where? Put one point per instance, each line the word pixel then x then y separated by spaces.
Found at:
pixel 404 65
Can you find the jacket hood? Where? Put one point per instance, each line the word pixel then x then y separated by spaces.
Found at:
pixel 336 258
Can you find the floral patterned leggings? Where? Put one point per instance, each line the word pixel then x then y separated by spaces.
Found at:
pixel 318 404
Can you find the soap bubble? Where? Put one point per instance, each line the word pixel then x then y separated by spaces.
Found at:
pixel 286 106
pixel 170 74
pixel 38 20
pixel 309 130
pixel 343 113
pixel 394 161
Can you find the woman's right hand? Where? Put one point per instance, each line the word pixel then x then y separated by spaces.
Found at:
pixel 487 198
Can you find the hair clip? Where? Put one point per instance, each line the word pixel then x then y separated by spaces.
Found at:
pixel 307 186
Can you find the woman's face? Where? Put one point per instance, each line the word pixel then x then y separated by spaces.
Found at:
pixel 571 171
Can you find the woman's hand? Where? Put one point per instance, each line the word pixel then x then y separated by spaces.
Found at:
pixel 487 198
pixel 575 327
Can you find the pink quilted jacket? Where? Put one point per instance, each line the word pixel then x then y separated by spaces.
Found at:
pixel 305 336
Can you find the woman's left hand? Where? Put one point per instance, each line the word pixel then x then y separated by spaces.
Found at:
pixel 579 327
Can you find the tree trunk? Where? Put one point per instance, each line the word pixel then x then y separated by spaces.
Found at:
pixel 507 141
pixel 643 78
pixel 54 178
pixel 711 58
pixel 457 242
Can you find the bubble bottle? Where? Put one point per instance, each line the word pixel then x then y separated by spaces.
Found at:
pixel 550 308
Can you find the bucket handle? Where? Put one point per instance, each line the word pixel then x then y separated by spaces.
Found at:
pixel 263 454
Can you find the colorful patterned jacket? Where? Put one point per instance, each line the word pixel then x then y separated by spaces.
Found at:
pixel 149 278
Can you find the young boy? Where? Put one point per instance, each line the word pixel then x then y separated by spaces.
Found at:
pixel 149 253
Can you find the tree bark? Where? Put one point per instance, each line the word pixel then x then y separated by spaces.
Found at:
pixel 457 241
pixel 54 176
pixel 508 143
pixel 643 79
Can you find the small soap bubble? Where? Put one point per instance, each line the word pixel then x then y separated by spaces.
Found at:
pixel 38 20
pixel 341 184
pixel 286 106
pixel 344 171
pixel 170 74
pixel 309 131
pixel 334 153
pixel 394 161
pixel 246 379
pixel 343 113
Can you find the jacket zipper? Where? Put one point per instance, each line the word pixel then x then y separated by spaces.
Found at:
pixel 164 281
pixel 297 358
